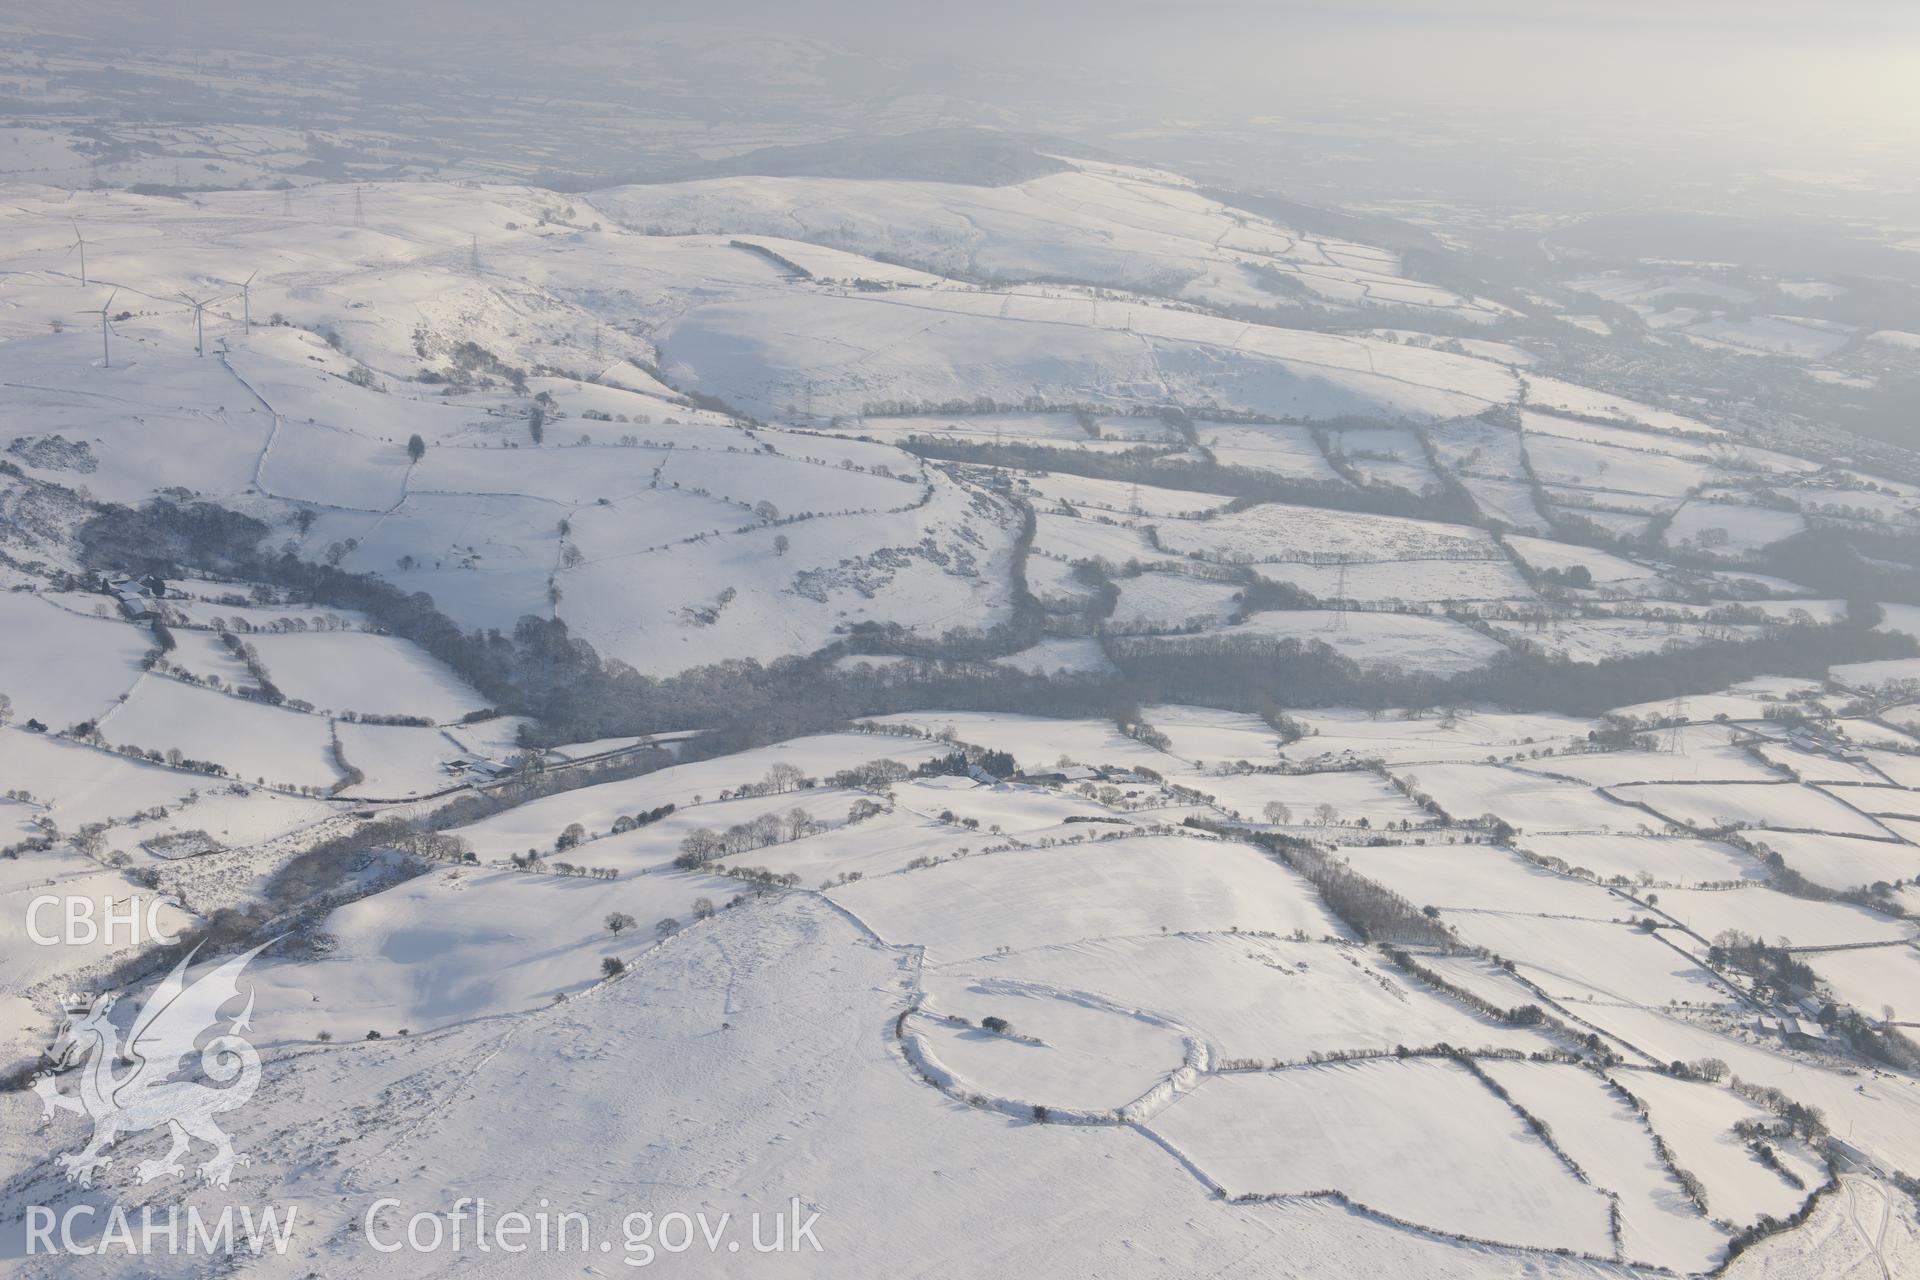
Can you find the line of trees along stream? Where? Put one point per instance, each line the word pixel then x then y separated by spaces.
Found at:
pixel 572 693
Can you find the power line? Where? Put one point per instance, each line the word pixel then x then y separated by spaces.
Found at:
pixel 1340 602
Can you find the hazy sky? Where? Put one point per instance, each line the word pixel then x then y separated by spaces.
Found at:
pixel 1142 29
pixel 1841 74
pixel 989 25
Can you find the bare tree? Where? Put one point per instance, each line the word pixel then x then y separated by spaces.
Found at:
pixel 765 830
pixel 784 777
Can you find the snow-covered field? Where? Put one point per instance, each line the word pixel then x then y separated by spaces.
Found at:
pixel 1206 736
pixel 251 740
pixel 1407 641
pixel 1719 528
pixel 60 667
pixel 1587 962
pixel 1350 796
pixel 1599 639
pixel 1523 800
pixel 374 675
pixel 1897 673
pixel 1480 875
pixel 1605 568
pixel 1767 913
pixel 1283 450
pixel 1022 899
pixel 1468 734
pixel 1677 860
pixel 1693 753
pixel 1600 1132
pixel 1785 805
pixel 1169 601
pixel 1275 532
pixel 1602 469
pixel 1258 999
pixel 1392 583
pixel 1415 1140
pixel 1697 1122
pixel 1844 862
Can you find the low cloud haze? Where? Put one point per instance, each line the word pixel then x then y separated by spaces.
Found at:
pixel 1835 72
pixel 1770 109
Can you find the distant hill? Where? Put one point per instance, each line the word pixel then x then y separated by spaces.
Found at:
pixel 1363 228
pixel 973 157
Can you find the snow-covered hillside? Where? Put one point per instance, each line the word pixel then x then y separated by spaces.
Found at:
pixel 1048 723
pixel 1093 222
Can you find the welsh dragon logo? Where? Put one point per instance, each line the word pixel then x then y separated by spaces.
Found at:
pixel 145 1095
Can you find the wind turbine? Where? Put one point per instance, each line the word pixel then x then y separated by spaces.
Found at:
pixel 106 356
pixel 199 306
pixel 80 243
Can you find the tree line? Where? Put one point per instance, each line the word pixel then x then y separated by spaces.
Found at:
pixel 541 670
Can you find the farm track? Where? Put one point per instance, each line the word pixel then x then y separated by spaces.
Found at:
pixel 1876 1240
